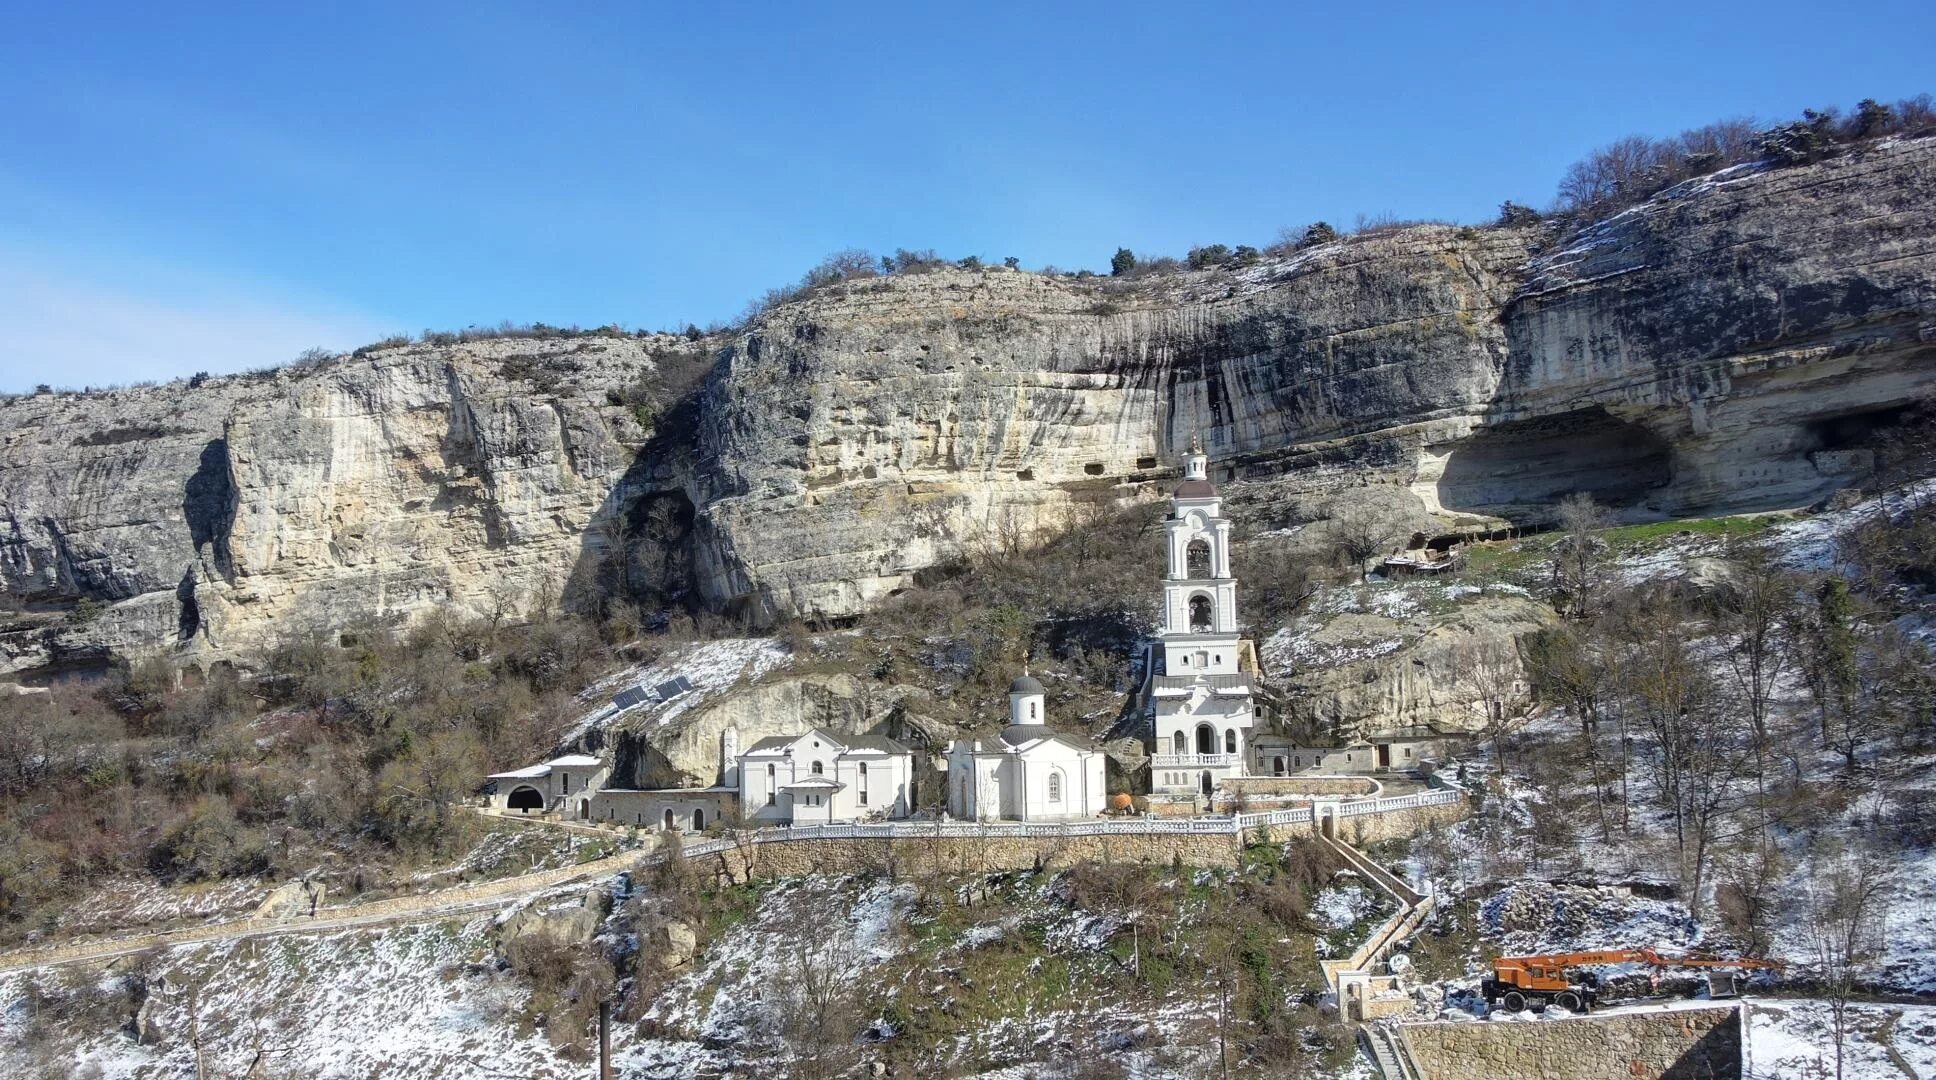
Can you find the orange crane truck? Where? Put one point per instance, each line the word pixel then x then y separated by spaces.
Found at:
pixel 1537 981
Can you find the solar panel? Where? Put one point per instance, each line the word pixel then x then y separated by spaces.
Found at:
pixel 673 687
pixel 632 695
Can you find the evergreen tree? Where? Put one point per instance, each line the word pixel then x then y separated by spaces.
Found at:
pixel 1122 262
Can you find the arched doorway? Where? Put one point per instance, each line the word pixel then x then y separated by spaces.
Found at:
pixel 525 799
pixel 1206 739
pixel 584 809
pixel 1277 766
pixel 1203 782
pixel 698 820
pixel 668 819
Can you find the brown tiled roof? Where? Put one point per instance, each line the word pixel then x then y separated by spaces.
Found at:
pixel 1196 489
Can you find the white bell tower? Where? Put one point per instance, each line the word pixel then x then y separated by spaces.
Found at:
pixel 1201 695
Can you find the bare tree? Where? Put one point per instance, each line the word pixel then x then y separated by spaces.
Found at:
pixel 1581 558
pixel 1358 531
pixel 816 1008
pixel 1844 920
pixel 1491 671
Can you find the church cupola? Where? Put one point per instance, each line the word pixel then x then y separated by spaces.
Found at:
pixel 1025 702
pixel 1196 474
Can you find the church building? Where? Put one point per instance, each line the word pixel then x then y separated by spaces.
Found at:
pixel 1199 689
pixel 1028 772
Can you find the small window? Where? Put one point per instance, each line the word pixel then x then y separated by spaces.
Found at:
pixel 1094 468
pixel 1055 787
pixel 1032 714
pixel 698 820
pixel 817 770
pixel 566 778
pixel 863 783
pixel 1230 741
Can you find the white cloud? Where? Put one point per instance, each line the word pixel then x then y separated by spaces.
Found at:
pixel 76 326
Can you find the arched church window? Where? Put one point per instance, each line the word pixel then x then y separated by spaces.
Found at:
pixel 698 820
pixel 1230 741
pixel 1197 559
pixel 769 785
pixel 817 770
pixel 1199 613
pixel 668 818
pixel 1055 787
pixel 1182 744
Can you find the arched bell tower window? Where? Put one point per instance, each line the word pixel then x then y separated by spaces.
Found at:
pixel 1197 559
pixel 1200 619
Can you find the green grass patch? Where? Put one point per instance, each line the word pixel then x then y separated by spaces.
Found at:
pixel 1628 537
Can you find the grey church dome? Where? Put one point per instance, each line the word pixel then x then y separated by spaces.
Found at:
pixel 1027 684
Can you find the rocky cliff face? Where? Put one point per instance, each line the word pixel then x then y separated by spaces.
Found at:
pixel 1729 345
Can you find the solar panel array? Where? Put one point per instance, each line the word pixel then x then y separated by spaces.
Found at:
pixel 633 696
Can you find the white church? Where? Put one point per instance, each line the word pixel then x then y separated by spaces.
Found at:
pixel 1198 686
pixel 1027 773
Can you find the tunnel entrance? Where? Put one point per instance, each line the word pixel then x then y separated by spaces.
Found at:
pixel 1520 470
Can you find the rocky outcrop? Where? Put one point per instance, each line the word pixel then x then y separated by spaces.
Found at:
pixel 1732 344
pixel 212 520
pixel 1355 673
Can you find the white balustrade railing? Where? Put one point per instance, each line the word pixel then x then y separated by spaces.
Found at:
pixel 991 830
pixel 1192 761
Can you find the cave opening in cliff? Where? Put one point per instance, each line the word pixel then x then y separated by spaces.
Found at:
pixel 1520 470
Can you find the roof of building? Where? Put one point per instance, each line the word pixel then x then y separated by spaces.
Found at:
pixel 1196 489
pixel 532 772
pixel 1027 684
pixel 1024 734
pixel 878 743
pixel 771 742
pixel 529 772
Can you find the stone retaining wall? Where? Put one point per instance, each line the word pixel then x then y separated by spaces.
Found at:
pixel 966 855
pixel 1302 785
pixel 1666 1044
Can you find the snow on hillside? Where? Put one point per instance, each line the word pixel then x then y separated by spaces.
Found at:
pixel 712 667
pixel 1810 544
pixel 409 1001
pixel 1788 1039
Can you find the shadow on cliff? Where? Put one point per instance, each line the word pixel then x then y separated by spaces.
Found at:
pixel 638 547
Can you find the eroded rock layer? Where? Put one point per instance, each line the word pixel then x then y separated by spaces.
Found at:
pixel 1733 344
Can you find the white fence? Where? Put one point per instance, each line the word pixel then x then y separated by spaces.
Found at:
pixel 1050 830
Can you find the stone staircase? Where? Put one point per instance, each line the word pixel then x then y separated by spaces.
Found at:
pixel 1386 1048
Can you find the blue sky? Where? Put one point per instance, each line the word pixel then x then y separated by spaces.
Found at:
pixel 224 187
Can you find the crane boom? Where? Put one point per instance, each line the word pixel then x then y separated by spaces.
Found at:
pixel 1537 980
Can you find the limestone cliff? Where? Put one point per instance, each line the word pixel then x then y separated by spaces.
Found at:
pixel 1730 344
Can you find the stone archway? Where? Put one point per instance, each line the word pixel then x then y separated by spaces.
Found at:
pixel 524 799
